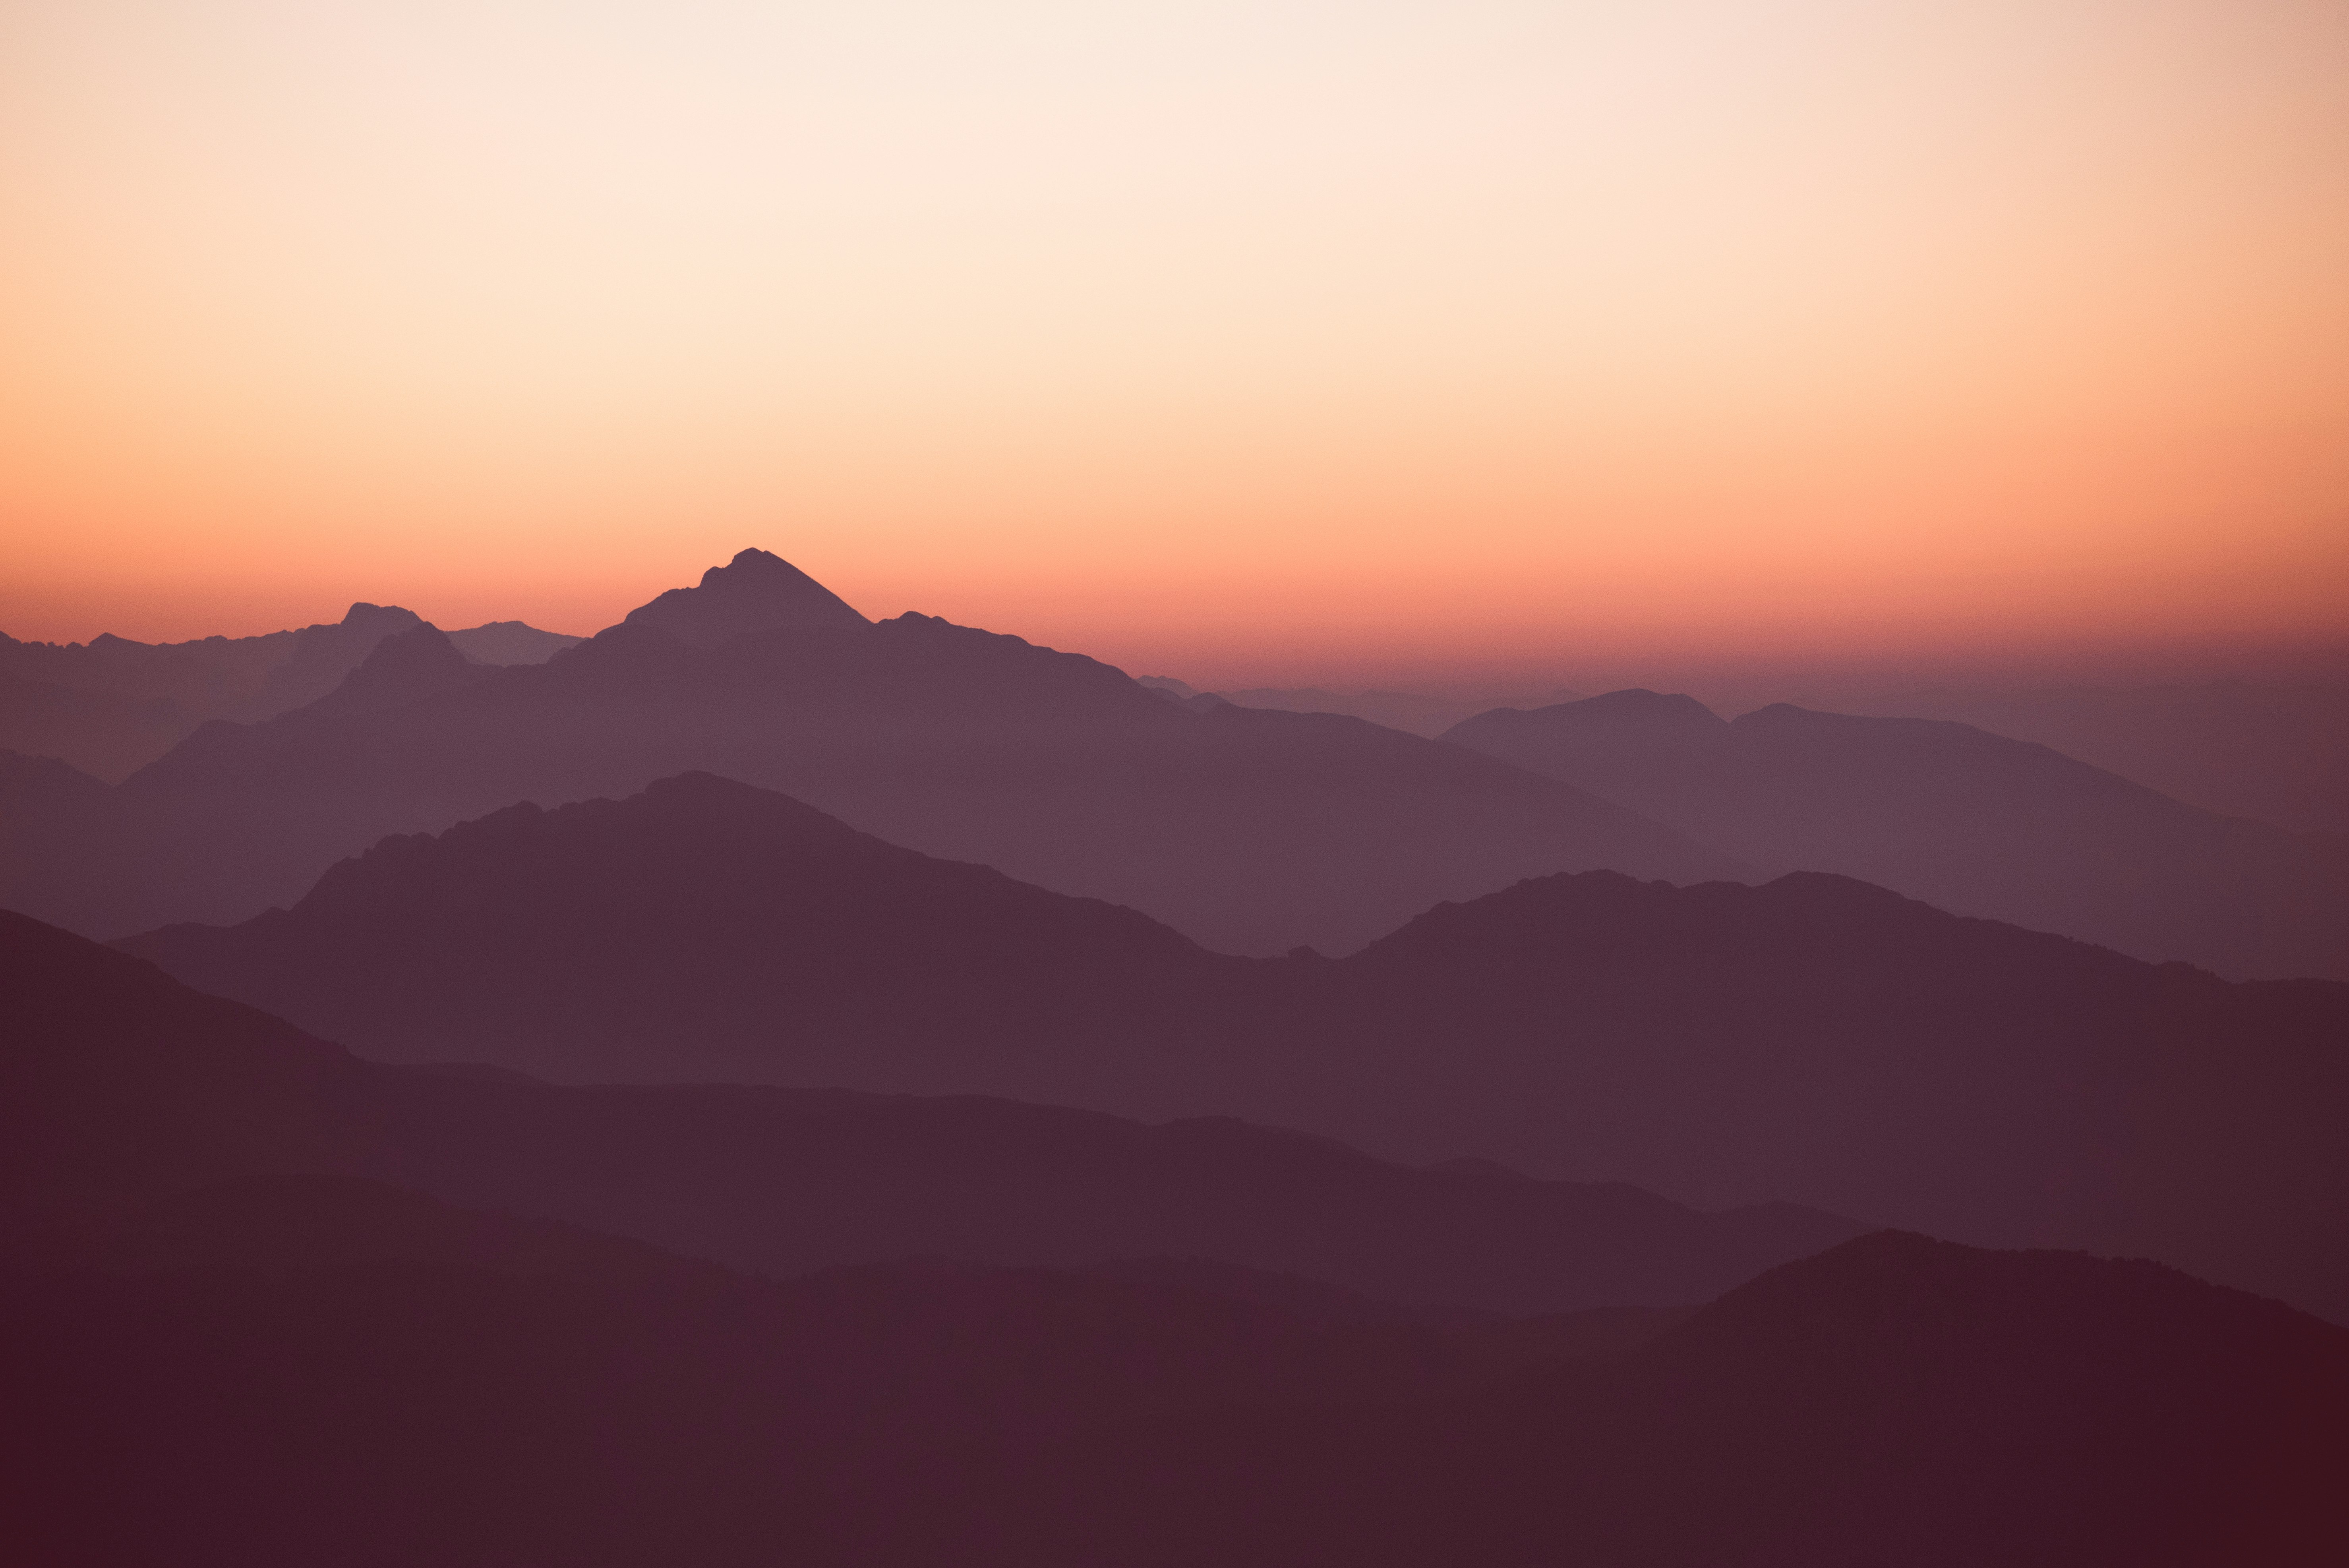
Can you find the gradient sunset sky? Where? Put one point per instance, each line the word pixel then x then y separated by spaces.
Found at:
pixel 1269 342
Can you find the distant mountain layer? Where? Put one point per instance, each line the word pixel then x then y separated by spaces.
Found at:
pixel 1968 821
pixel 118 1085
pixel 111 706
pixel 510 642
pixel 1815 1040
pixel 2275 750
pixel 1416 713
pixel 1250 831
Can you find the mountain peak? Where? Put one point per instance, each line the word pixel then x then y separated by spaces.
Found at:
pixel 755 591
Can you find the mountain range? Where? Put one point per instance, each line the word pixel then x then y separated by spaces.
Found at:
pixel 1970 822
pixel 1250 831
pixel 1815 1040
pixel 111 706
pixel 240 1283
pixel 123 1086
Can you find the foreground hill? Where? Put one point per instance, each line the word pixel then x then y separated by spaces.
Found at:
pixel 1895 1400
pixel 303 1369
pixel 117 1084
pixel 206 1308
pixel 1250 831
pixel 1815 1040
pixel 1960 818
pixel 307 1370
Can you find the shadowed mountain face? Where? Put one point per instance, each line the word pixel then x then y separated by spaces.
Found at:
pixel 118 1084
pixel 755 591
pixel 1968 820
pixel 1250 831
pixel 1894 1400
pixel 1815 1040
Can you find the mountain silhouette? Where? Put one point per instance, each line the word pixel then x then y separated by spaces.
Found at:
pixel 326 1369
pixel 2274 751
pixel 755 591
pixel 1893 1400
pixel 1815 1040
pixel 110 705
pixel 510 642
pixel 1250 831
pixel 1972 821
pixel 707 930
pixel 121 1085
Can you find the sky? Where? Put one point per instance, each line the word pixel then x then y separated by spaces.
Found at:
pixel 1257 343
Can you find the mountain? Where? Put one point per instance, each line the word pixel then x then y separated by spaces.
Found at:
pixel 1968 821
pixel 707 930
pixel 1415 713
pixel 303 1369
pixel 1894 1400
pixel 510 642
pixel 2274 751
pixel 755 591
pixel 112 705
pixel 118 1085
pixel 1248 831
pixel 1815 1040
pixel 1408 711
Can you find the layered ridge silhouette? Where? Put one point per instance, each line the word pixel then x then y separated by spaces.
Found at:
pixel 111 706
pixel 123 1085
pixel 215 1301
pixel 1963 818
pixel 1250 831
pixel 2275 750
pixel 1815 1040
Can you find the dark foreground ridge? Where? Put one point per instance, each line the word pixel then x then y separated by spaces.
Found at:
pixel 1894 1400
pixel 236 1290
pixel 301 1369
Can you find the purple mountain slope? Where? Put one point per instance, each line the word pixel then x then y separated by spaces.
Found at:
pixel 755 591
pixel 118 1085
pixel 1963 819
pixel 1250 831
pixel 1894 1400
pixel 1815 1040
pixel 110 705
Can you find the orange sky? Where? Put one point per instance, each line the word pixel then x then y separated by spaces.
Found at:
pixel 1262 342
